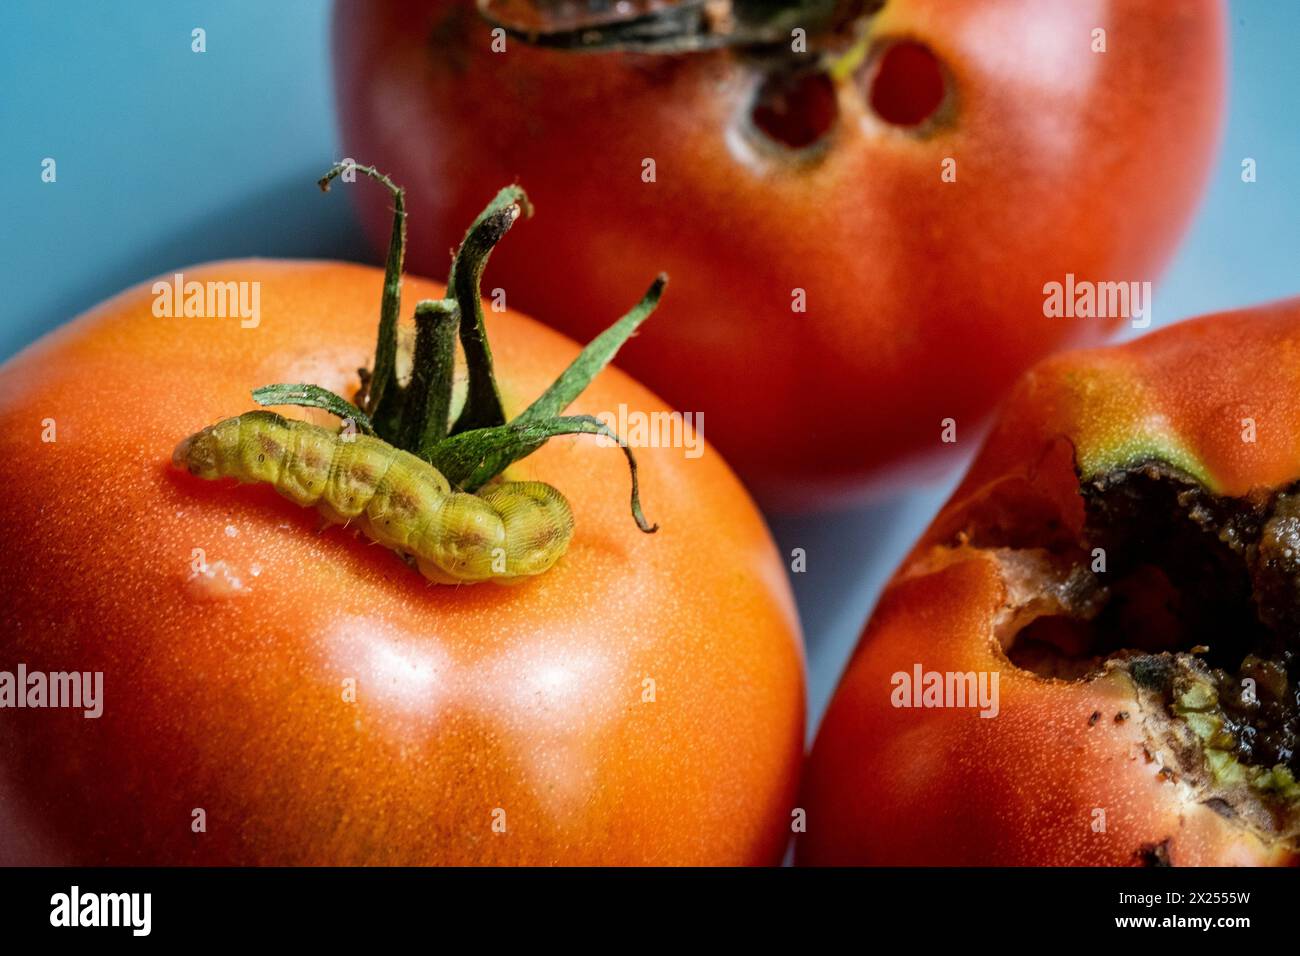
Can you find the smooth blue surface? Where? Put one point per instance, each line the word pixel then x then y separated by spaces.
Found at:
pixel 165 157
pixel 168 157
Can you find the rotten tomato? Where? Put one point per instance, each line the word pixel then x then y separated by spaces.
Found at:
pixel 1093 654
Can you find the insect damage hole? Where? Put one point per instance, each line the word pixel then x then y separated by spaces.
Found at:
pixel 794 109
pixel 1200 605
pixel 906 85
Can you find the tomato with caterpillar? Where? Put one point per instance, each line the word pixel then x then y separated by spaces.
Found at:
pixel 387 484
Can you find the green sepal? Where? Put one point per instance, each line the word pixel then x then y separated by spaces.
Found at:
pixel 313 396
pixel 383 396
pixel 483 407
pixel 471 459
pixel 479 445
pixel 599 352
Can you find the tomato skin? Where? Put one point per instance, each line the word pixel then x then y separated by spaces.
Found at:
pixel 908 786
pixel 527 699
pixel 924 298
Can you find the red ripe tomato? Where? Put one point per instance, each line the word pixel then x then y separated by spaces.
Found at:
pixel 275 693
pixel 1122 560
pixel 859 235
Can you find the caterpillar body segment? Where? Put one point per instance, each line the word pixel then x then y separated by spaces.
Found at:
pixel 509 530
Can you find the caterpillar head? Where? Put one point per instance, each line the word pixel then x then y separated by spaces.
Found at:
pixel 199 454
pixel 248 447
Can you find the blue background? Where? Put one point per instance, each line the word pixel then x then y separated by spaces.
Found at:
pixel 167 158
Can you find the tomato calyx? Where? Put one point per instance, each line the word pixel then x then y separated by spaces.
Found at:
pixel 653 26
pixel 1190 598
pixel 802 51
pixel 415 415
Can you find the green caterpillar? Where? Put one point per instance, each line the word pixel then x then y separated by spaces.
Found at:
pixel 510 530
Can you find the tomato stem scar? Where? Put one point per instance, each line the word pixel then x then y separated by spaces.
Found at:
pixel 673 28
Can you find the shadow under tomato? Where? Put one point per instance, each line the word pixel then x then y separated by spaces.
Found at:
pixel 849 556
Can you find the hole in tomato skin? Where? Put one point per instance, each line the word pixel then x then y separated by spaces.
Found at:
pixel 796 110
pixel 1197 598
pixel 907 85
